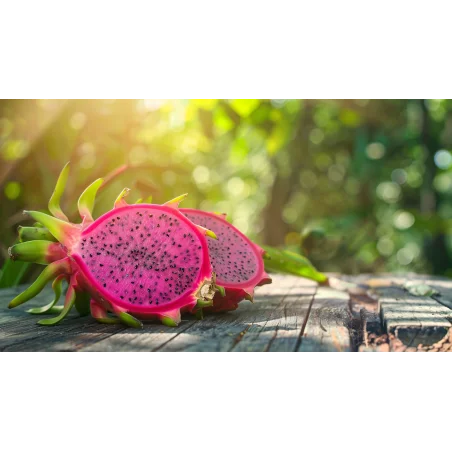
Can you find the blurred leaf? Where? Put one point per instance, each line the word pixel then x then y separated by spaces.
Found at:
pixel 278 137
pixel 206 104
pixel 263 113
pixel 13 273
pixel 239 151
pixel 244 107
pixel 349 118
pixel 420 289
pixel 283 261
pixel 14 150
pixel 222 120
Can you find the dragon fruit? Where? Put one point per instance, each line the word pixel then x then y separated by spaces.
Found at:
pixel 236 261
pixel 139 261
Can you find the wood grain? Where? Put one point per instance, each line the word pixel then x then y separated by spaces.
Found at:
pixel 292 314
pixel 329 323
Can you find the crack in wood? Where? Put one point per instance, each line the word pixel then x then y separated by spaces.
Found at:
pixel 174 337
pixel 270 318
pixel 240 336
pixel 305 321
pixel 272 339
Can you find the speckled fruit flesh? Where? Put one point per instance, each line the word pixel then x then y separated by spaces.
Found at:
pixel 145 259
pixel 236 260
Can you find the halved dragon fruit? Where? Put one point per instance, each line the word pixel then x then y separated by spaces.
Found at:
pixel 236 260
pixel 142 260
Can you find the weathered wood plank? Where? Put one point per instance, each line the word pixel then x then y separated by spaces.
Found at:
pixel 444 287
pixel 291 314
pixel 69 337
pixel 150 338
pixel 224 332
pixel 19 330
pixel 329 323
pixel 369 335
pixel 17 326
pixel 410 323
pixel 279 326
pixel 282 328
pixel 411 319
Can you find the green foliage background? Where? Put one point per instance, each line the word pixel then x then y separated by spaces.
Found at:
pixel 356 185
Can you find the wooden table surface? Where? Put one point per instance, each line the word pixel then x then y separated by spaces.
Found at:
pixel 292 314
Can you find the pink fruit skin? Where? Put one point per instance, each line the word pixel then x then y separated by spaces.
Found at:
pixel 253 272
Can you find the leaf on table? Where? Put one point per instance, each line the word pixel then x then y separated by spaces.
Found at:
pixel 282 261
pixel 420 289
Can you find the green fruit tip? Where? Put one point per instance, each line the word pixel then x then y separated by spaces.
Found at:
pixel 221 290
pixel 168 321
pixel 211 234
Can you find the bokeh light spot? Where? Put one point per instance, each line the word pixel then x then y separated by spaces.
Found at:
pixel 316 136
pixel 445 211
pixel 414 178
pixel 375 151
pixel 151 104
pixel 241 224
pixel 336 173
pixel 399 176
pixel 403 220
pixel 389 192
pixel 201 174
pixel 12 190
pixel 15 150
pixel 290 214
pixel 349 117
pixel 414 248
pixel 385 246
pixel 78 121
pixel 443 182
pixel 308 179
pixel 322 160
pixel 443 159
pixel 405 256
pixel 235 186
pixel 88 161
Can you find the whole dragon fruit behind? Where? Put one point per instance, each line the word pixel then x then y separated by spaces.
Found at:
pixel 236 260
pixel 142 260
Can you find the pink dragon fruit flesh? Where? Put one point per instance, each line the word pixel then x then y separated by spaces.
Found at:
pixel 140 261
pixel 236 260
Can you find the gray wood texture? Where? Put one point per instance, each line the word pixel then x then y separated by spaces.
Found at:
pixel 292 314
pixel 329 323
